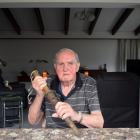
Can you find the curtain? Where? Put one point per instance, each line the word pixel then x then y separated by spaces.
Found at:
pixel 128 49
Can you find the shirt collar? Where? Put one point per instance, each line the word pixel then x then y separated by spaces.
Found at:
pixel 55 85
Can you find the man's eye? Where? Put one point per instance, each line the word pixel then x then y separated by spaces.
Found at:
pixel 71 63
pixel 60 64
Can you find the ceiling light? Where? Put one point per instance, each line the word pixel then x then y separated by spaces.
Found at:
pixel 85 15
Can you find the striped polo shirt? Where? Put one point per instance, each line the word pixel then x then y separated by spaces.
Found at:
pixel 83 98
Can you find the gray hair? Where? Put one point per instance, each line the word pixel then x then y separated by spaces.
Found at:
pixel 66 50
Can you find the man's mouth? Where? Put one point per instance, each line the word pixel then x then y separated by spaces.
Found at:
pixel 66 75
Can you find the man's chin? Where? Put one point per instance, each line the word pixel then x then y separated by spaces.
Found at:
pixel 66 80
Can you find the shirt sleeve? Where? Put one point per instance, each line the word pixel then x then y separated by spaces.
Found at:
pixel 92 96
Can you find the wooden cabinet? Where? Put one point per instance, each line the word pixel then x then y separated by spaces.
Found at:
pixel 92 72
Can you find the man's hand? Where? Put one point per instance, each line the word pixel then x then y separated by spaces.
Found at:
pixel 64 110
pixel 38 84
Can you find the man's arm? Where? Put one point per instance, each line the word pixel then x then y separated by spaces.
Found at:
pixel 93 120
pixel 64 110
pixel 35 114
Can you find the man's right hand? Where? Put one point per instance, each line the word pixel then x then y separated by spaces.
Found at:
pixel 38 84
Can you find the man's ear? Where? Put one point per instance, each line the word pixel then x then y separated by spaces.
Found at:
pixel 54 66
pixel 78 66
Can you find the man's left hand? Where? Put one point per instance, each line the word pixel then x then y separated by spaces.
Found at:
pixel 64 110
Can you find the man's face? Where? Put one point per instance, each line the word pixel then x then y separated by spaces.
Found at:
pixel 66 66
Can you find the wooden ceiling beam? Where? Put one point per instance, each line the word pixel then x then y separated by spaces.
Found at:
pixel 67 18
pixel 137 30
pixel 12 20
pixel 93 23
pixel 40 20
pixel 121 20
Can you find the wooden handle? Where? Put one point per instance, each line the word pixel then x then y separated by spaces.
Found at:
pixel 50 94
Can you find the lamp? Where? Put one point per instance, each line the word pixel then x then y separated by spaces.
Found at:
pixel 3 63
pixel 85 15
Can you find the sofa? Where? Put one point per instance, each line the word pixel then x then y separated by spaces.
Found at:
pixel 119 99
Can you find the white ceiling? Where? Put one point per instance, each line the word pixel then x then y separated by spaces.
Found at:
pixel 69 3
pixel 53 18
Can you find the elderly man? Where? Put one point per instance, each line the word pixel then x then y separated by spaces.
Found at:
pixel 78 95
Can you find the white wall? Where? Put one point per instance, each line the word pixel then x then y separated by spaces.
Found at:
pixel 18 52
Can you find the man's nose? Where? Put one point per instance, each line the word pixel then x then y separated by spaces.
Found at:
pixel 65 68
